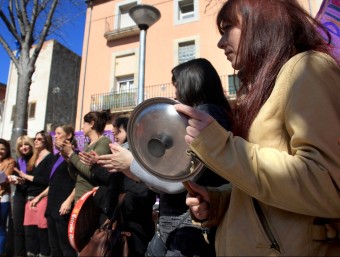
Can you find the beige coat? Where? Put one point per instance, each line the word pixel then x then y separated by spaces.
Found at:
pixel 6 166
pixel 291 165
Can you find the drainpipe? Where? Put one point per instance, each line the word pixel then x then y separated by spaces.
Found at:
pixel 89 3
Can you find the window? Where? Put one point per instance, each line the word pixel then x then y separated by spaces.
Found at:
pixel 186 51
pixel 30 111
pixel 123 19
pixel 233 84
pixel 185 11
pixel 125 84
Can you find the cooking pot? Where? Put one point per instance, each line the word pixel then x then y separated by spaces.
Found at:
pixel 156 138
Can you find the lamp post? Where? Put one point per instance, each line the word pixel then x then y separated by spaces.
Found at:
pixel 144 16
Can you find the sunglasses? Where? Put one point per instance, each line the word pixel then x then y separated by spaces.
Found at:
pixel 38 139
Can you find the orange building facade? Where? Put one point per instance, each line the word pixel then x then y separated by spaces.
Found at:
pixel 110 59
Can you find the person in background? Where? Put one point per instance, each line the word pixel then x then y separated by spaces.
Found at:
pixel 93 128
pixel 60 196
pixel 138 204
pixel 282 158
pixel 36 181
pixel 119 130
pixel 197 84
pixel 25 162
pixel 7 164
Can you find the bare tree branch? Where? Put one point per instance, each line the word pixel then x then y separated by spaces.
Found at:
pixel 207 5
pixel 20 21
pixel 11 14
pixel 8 50
pixel 29 22
pixel 25 22
pixel 9 25
pixel 44 32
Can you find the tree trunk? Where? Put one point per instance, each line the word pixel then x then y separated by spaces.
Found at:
pixel 21 112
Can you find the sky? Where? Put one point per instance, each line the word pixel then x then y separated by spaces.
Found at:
pixel 71 36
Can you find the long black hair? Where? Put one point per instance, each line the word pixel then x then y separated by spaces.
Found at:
pixel 197 82
pixel 7 146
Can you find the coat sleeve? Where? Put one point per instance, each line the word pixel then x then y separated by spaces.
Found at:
pixel 305 179
pixel 155 183
pixel 219 202
pixel 8 170
pixel 84 170
pixel 9 167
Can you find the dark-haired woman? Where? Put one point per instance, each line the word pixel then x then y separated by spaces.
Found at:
pixel 36 181
pixel 138 203
pixel 93 128
pixel 282 158
pixel 197 84
pixel 60 196
pixel 7 164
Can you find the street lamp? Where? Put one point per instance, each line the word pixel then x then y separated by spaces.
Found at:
pixel 144 16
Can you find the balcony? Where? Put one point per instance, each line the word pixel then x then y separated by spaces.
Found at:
pixel 119 26
pixel 126 101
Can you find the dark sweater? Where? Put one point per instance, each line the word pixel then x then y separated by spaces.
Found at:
pixel 60 187
pixel 136 209
pixel 174 204
pixel 41 174
pixel 20 190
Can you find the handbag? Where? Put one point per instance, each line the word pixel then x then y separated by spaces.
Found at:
pixel 108 240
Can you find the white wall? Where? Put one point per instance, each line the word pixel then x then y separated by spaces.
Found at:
pixel 38 94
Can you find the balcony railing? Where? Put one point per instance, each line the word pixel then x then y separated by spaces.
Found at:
pixel 120 26
pixel 126 100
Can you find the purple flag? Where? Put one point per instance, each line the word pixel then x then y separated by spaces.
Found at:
pixel 82 139
pixel 329 16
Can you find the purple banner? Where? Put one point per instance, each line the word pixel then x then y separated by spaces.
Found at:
pixel 329 16
pixel 83 140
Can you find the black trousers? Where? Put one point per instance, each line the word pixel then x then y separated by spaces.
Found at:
pixel 58 237
pixel 37 240
pixel 19 202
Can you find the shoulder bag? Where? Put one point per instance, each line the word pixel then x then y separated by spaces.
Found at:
pixel 108 240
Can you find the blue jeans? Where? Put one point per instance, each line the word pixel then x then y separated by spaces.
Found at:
pixel 4 210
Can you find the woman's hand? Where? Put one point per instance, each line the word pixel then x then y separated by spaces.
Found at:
pixel 20 181
pixel 119 160
pixel 197 121
pixel 23 176
pixel 66 149
pixel 65 207
pixel 20 173
pixel 15 180
pixel 34 202
pixel 199 203
pixel 89 159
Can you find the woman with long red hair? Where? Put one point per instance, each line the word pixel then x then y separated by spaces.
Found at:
pixel 282 157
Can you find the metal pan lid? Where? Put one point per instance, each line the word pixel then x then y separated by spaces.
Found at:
pixel 156 138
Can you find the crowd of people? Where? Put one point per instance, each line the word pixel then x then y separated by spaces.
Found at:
pixel 271 182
